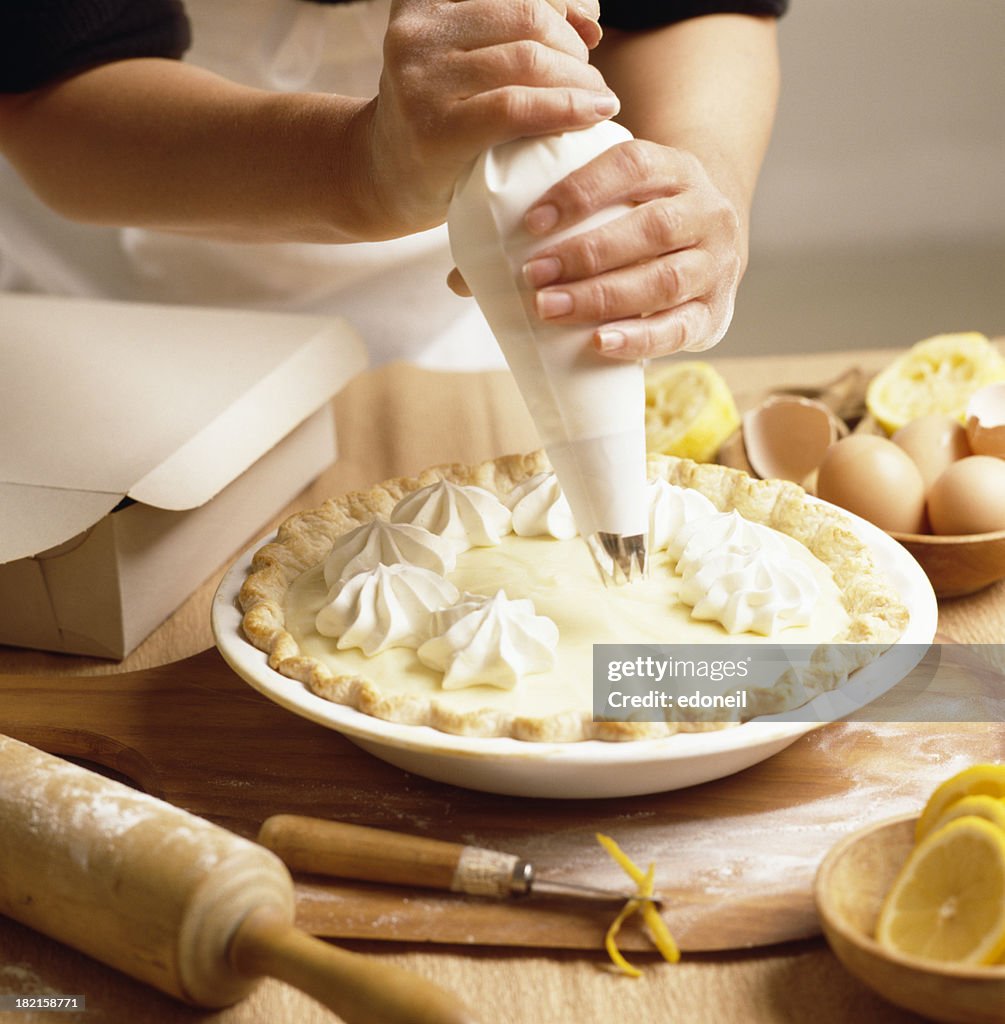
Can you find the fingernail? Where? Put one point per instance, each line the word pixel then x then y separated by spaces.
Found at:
pixel 606 106
pixel 552 304
pixel 542 218
pixel 610 341
pixel 540 272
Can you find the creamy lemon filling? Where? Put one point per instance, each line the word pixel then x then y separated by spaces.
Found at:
pixel 560 579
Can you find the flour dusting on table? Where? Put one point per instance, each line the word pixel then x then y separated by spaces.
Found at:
pixel 775 850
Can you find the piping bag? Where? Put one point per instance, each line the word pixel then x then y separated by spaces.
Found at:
pixel 589 410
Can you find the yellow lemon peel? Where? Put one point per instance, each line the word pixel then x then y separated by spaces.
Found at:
pixel 948 900
pixel 982 806
pixel 690 410
pixel 655 925
pixel 611 944
pixel 978 779
pixel 935 375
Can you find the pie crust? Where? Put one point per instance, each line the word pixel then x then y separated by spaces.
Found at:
pixel 877 617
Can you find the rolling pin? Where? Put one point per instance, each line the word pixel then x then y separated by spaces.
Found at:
pixel 174 900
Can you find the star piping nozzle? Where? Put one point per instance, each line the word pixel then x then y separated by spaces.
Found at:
pixel 619 559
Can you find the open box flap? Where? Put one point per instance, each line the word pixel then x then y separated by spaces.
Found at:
pixel 290 393
pixel 167 404
pixel 38 518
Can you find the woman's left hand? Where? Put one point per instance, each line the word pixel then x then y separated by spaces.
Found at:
pixel 658 279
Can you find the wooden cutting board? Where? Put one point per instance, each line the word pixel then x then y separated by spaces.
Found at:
pixel 736 857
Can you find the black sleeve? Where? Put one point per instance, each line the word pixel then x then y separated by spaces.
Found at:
pixel 43 40
pixel 641 14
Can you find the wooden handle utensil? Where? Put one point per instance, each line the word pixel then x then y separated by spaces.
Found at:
pixel 174 900
pixel 341 850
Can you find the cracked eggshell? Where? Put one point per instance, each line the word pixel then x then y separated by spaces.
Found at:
pixel 787 436
pixel 986 421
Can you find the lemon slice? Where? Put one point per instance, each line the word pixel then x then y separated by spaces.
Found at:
pixel 937 375
pixel 989 808
pixel 690 410
pixel 979 779
pixel 948 903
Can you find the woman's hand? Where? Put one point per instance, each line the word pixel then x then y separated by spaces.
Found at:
pixel 463 75
pixel 660 278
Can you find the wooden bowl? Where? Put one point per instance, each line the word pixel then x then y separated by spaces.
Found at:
pixel 958 565
pixel 850 887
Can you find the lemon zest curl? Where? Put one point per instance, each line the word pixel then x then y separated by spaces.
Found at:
pixel 655 925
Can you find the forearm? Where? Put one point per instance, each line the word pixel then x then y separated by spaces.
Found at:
pixel 162 144
pixel 709 86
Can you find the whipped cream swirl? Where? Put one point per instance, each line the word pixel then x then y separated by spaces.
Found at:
pixel 387 606
pixel 670 508
pixel 379 542
pixel 723 531
pixel 750 590
pixel 540 509
pixel 467 516
pixel 489 641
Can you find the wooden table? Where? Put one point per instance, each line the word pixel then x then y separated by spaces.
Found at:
pixel 386 427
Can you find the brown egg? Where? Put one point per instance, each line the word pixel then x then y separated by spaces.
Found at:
pixel 875 479
pixel 934 442
pixel 986 421
pixel 969 497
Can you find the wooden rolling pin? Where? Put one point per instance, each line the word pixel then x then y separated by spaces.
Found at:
pixel 174 900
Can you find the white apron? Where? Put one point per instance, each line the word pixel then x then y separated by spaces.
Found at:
pixel 394 292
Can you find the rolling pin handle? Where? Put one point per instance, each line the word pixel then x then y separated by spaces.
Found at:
pixel 359 989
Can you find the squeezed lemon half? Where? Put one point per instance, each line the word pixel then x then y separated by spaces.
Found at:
pixel 937 375
pixel 690 410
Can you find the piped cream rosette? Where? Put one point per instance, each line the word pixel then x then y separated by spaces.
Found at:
pixel 389 589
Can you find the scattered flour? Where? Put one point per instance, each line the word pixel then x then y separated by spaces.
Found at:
pixel 776 850
pixel 19 978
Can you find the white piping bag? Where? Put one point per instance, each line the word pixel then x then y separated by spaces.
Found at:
pixel 589 410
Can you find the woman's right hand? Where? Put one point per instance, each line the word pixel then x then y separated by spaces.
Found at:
pixel 463 75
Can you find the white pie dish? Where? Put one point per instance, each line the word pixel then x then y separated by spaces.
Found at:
pixel 589 768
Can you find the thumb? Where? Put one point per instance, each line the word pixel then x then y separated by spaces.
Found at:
pixel 584 16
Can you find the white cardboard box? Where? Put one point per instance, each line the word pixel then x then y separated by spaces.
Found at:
pixel 140 447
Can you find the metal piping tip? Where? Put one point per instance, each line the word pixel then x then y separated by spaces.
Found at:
pixel 619 559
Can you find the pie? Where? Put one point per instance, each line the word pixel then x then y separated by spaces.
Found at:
pixel 403 670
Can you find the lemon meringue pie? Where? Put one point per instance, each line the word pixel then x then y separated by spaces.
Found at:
pixel 464 599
